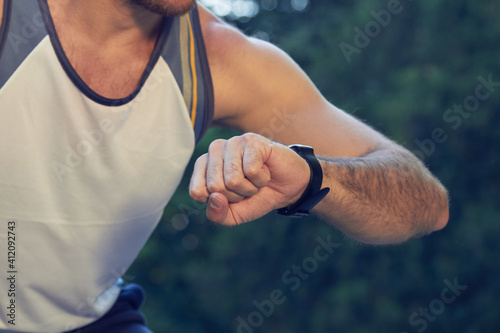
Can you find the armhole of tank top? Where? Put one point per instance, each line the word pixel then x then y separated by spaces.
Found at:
pixel 4 24
pixel 208 107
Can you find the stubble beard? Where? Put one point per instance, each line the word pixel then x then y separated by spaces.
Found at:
pixel 165 7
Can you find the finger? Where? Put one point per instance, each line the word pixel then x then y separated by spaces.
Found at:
pixel 215 172
pixel 234 178
pixel 218 208
pixel 254 167
pixel 198 185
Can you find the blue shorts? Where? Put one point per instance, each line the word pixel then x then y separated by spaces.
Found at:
pixel 123 317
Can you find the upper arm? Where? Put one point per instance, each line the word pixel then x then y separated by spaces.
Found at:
pixel 259 88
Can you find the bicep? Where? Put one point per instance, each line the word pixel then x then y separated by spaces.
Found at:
pixel 259 88
pixel 331 131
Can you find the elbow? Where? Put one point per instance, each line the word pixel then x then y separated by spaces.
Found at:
pixel 442 218
pixel 403 235
pixel 439 219
pixel 439 223
pixel 443 212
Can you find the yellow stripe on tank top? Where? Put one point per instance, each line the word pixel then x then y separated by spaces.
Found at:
pixel 193 71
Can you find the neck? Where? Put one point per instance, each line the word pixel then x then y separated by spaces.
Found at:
pixel 107 22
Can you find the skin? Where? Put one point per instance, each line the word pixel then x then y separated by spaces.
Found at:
pixel 109 43
pixel 165 8
pixel 380 193
pixel 1 10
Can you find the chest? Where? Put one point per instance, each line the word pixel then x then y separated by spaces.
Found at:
pixel 65 140
pixel 112 77
pixel 112 72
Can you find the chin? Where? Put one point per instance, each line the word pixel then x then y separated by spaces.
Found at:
pixel 166 7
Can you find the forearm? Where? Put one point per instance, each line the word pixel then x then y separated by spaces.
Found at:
pixel 383 197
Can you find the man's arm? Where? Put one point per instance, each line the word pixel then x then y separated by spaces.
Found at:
pixel 1 12
pixel 380 193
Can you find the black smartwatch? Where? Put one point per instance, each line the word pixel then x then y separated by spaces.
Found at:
pixel 313 193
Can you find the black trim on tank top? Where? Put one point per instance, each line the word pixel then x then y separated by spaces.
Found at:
pixel 208 112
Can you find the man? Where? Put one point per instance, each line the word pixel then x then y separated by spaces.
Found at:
pixel 101 102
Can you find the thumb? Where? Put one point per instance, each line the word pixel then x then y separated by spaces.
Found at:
pixel 217 207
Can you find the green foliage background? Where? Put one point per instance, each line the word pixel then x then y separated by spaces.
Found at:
pixel 200 277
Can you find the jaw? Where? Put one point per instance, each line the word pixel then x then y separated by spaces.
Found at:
pixel 164 7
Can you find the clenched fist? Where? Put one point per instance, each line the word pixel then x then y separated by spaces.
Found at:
pixel 246 177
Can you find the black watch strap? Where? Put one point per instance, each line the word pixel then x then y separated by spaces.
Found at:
pixel 313 193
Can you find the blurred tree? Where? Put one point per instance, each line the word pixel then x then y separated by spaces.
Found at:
pixel 411 69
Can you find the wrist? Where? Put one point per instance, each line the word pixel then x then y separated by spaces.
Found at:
pixel 313 193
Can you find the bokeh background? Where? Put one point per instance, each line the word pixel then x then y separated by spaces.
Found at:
pixel 413 76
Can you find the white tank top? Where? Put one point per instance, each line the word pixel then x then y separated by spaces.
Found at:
pixel 84 179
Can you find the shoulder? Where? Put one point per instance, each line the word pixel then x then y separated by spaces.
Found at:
pixel 218 33
pixel 248 74
pixel 224 46
pixel 259 88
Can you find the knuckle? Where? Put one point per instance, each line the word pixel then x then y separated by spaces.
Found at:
pixel 251 137
pixel 215 188
pixel 235 140
pixel 198 194
pixel 232 174
pixel 232 182
pixel 232 168
pixel 216 145
pixel 200 160
pixel 252 171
